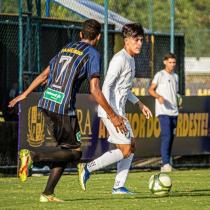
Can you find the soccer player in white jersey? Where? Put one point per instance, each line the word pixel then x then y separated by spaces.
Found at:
pixel 117 89
pixel 164 89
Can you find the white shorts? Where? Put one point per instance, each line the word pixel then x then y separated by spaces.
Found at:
pixel 118 137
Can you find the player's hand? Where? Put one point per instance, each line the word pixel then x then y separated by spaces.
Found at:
pixel 16 100
pixel 119 123
pixel 146 111
pixel 161 99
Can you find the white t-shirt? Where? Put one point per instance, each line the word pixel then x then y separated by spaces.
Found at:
pixel 167 87
pixel 118 83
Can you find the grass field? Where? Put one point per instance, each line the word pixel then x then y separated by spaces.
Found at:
pixel 191 190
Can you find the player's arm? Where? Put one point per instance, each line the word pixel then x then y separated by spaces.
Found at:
pixel 177 83
pixel 153 93
pixel 96 92
pixel 145 110
pixel 40 79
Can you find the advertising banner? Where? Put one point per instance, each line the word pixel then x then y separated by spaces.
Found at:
pixel 192 134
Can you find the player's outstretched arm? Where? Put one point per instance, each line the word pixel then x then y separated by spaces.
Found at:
pixel 41 79
pixel 118 121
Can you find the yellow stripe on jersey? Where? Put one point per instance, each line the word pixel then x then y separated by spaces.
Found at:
pixel 72 50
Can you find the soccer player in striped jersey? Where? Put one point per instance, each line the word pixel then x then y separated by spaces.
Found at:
pixel 63 77
pixel 117 90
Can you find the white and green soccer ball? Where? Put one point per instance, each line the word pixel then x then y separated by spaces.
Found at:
pixel 160 184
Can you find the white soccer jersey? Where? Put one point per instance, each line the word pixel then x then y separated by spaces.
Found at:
pixel 118 83
pixel 167 86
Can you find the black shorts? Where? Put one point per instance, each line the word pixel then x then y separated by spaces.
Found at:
pixel 64 128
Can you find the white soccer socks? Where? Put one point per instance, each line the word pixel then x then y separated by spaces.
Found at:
pixel 104 160
pixel 123 167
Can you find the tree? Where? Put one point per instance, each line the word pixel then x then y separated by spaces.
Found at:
pixel 192 17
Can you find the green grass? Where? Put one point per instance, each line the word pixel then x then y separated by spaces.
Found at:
pixel 190 190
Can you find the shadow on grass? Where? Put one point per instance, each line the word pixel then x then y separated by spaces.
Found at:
pixel 138 195
pixel 193 192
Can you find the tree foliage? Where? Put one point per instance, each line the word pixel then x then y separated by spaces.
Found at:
pixel 192 17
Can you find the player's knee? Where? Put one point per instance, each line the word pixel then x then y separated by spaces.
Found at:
pixel 72 155
pixel 126 153
pixel 126 150
pixel 76 155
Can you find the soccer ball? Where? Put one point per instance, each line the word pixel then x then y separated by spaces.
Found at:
pixel 179 100
pixel 160 184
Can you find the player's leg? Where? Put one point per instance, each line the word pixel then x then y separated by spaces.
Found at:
pixel 109 157
pixel 58 154
pixel 27 158
pixel 57 169
pixel 55 175
pixel 56 172
pixel 165 142
pixel 123 167
pixel 66 136
pixel 65 129
pixel 173 124
pixel 106 159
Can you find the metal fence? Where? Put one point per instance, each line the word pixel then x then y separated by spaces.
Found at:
pixel 190 20
pixel 38 47
pixel 54 34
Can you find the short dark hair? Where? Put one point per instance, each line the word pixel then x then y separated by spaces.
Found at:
pixel 91 29
pixel 169 55
pixel 132 30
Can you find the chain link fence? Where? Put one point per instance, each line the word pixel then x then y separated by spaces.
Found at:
pixel 190 20
pixel 147 63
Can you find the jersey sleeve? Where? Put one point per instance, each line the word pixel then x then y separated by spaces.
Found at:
pixel 93 69
pixel 114 70
pixel 132 98
pixel 113 73
pixel 156 78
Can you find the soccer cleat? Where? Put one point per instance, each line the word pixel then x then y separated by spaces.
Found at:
pixel 121 190
pixel 49 198
pixel 25 164
pixel 84 175
pixel 167 168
